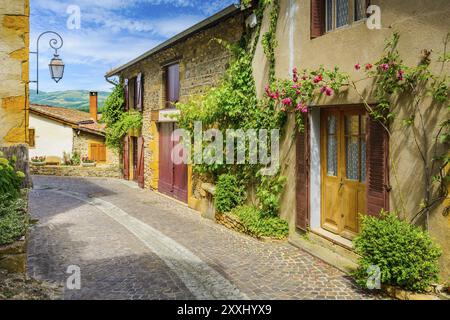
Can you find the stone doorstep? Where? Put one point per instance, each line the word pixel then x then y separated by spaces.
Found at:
pixel 344 259
pixel 325 250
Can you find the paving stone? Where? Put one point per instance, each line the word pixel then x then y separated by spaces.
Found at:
pixel 137 244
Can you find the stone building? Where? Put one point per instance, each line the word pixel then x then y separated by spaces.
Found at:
pixel 178 69
pixel 14 57
pixel 56 131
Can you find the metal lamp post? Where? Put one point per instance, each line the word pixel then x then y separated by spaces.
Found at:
pixel 56 65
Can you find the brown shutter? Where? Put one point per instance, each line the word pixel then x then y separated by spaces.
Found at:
pixel 126 93
pixel 317 18
pixel 126 158
pixel 302 180
pixel 140 165
pixel 139 105
pixel 377 168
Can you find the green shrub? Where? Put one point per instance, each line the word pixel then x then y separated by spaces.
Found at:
pixel 229 193
pixel 10 179
pixel 13 220
pixel 406 255
pixel 259 225
pixel 269 194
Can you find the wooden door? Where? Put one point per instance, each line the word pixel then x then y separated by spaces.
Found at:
pixel 135 158
pixel 343 170
pixel 165 162
pixel 126 158
pixel 172 177
pixel 140 166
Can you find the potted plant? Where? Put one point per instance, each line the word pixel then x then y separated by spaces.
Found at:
pixel 86 162
pixel 38 160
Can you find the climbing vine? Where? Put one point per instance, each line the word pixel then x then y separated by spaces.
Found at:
pixel 233 105
pixel 395 86
pixel 269 39
pixel 118 121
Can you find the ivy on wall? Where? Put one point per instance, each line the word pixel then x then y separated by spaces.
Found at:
pixel 233 105
pixel 118 121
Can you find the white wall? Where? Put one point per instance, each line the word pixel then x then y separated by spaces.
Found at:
pixel 51 138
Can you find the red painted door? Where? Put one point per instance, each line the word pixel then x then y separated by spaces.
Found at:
pixel 172 178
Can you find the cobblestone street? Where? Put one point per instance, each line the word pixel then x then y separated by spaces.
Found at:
pixel 136 244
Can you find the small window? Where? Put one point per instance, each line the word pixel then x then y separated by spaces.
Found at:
pixel 31 138
pixel 359 8
pixel 328 15
pixel 341 13
pixel 132 93
pixel 172 85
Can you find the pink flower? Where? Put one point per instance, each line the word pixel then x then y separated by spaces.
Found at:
pixel 287 102
pixel 369 66
pixel 277 95
pixel 329 91
pixel 295 75
pixel 400 74
pixel 318 78
pixel 323 89
pixel 304 77
pixel 302 108
pixel 296 86
pixel 358 66
pixel 384 67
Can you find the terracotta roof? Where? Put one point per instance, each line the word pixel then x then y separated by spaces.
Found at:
pixel 78 119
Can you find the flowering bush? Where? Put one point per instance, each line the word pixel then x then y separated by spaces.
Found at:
pixel 38 159
pixel 296 94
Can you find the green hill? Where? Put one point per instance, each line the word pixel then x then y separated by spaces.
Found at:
pixel 74 99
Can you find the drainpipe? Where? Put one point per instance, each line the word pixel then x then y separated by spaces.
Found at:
pixel 110 81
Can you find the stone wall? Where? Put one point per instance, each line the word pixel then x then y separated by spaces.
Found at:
pixel 81 143
pixel 14 57
pixel 203 62
pixel 99 171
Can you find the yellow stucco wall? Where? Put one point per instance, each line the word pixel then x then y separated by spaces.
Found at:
pixel 422 25
pixel 14 57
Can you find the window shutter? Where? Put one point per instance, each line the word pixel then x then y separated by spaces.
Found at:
pixel 139 92
pixel 126 158
pixel 317 18
pixel 140 165
pixel 126 95
pixel 377 168
pixel 302 183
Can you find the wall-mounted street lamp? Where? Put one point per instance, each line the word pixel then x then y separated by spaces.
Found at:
pixel 56 65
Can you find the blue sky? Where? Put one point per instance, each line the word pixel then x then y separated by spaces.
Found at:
pixel 112 33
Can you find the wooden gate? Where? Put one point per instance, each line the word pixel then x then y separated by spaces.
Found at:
pixel 172 177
